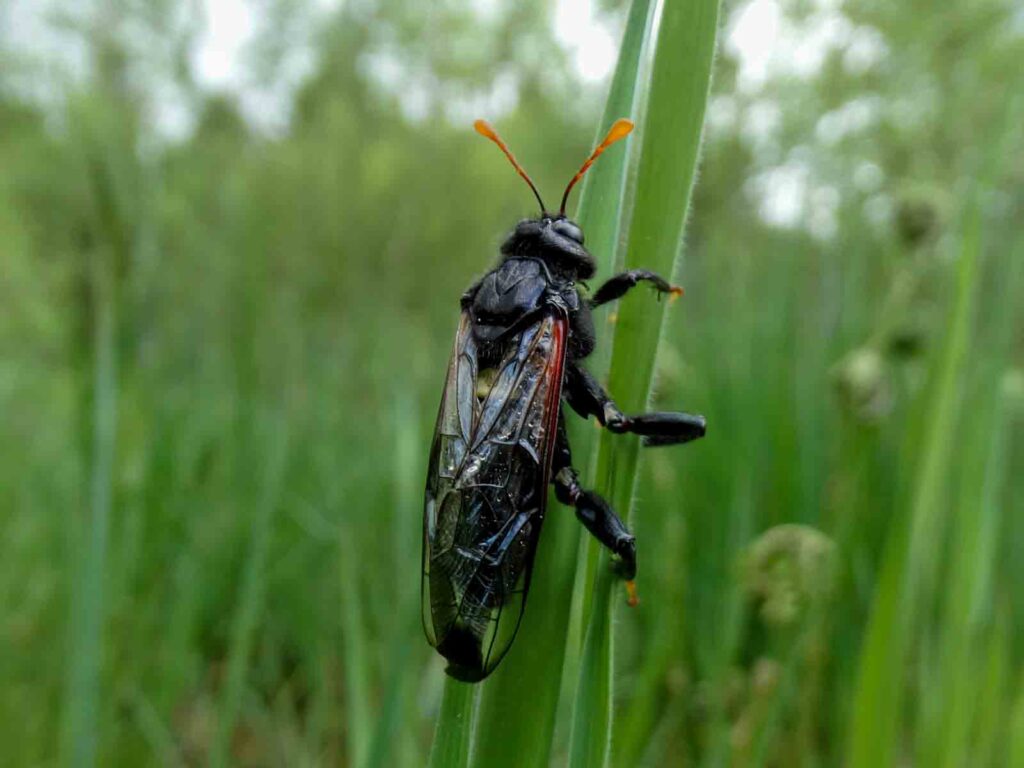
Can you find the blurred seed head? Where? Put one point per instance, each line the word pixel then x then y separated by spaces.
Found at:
pixel 765 676
pixel 919 215
pixel 741 734
pixel 1013 391
pixel 677 680
pixel 862 380
pixel 908 339
pixel 761 686
pixel 734 690
pixel 788 570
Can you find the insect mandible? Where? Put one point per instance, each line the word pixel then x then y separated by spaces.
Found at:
pixel 500 438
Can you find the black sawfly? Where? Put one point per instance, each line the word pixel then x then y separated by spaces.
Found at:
pixel 500 437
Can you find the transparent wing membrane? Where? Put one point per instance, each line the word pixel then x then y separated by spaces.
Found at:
pixel 486 491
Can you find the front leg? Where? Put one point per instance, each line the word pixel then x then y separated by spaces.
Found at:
pixel 588 398
pixel 617 286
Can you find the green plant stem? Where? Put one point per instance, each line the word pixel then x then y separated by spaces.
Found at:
pixel 452 737
pixel 89 608
pixel 1015 749
pixel 592 716
pixel 672 128
pixel 354 648
pixel 910 561
pixel 250 599
pixel 521 697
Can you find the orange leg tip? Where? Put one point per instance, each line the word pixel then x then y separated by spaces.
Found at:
pixel 675 292
pixel 632 600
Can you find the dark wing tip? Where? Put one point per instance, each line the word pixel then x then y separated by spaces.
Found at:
pixel 462 649
pixel 465 674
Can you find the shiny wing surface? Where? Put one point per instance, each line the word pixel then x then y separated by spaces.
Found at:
pixel 486 491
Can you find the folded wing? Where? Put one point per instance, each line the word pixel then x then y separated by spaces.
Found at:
pixel 486 491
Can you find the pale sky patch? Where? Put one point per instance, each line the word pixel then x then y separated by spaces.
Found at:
pixel 594 48
pixel 767 44
pixel 229 29
pixel 852 117
pixel 763 40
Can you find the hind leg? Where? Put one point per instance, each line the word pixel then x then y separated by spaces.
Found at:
pixel 594 512
pixel 588 398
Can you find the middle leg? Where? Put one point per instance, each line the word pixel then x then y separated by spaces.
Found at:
pixel 594 512
pixel 588 398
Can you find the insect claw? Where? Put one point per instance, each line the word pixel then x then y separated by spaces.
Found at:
pixel 631 600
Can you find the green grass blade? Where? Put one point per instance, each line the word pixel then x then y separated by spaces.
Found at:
pixel 1015 749
pixel 591 727
pixel 452 737
pixel 113 248
pixel 603 224
pixel 671 136
pixel 910 563
pixel 876 706
pixel 395 722
pixel 354 648
pixel 990 716
pixel 89 606
pixel 251 590
pixel 521 697
pixel 600 209
pixel 945 738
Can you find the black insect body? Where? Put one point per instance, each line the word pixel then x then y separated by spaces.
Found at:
pixel 500 437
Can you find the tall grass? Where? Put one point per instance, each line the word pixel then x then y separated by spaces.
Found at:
pixel 671 136
pixel 911 555
pixel 83 698
pixel 522 697
pixel 264 494
pixel 219 368
pixel 104 286
pixel 453 738
pixel 911 570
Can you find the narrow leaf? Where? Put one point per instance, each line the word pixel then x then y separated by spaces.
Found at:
pixel 672 130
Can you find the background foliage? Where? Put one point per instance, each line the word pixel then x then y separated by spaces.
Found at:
pixel 221 354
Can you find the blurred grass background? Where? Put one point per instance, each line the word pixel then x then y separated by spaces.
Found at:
pixel 227 312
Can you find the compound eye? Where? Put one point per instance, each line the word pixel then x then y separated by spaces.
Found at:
pixel 570 230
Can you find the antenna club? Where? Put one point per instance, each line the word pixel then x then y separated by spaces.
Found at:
pixel 485 129
pixel 620 129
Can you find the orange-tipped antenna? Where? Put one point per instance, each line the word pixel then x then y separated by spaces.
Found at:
pixel 619 130
pixel 484 129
